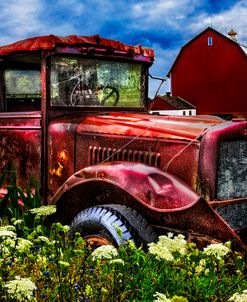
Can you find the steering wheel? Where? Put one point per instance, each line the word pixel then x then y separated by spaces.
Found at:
pixel 110 95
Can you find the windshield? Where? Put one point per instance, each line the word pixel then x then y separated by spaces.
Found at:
pixel 90 82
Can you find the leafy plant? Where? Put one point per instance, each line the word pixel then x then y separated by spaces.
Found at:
pixel 17 202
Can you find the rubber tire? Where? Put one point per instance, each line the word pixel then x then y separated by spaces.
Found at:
pixel 102 221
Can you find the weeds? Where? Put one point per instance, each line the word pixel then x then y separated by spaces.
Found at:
pixel 40 264
pixel 58 268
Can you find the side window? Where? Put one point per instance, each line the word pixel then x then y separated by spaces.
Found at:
pixel 22 90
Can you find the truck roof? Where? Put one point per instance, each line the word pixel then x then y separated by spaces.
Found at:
pixel 49 42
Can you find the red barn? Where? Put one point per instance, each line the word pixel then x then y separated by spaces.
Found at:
pixel 210 72
pixel 169 105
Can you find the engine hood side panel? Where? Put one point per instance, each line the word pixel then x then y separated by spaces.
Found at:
pixel 145 125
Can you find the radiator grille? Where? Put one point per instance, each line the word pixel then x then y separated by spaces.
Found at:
pixel 99 154
pixel 232 170
pixel 235 215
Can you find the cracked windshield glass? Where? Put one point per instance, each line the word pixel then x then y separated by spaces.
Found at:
pixel 87 82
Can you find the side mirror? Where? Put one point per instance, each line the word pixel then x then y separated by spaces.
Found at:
pixel 161 83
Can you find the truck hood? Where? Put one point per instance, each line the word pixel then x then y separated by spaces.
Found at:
pixel 145 125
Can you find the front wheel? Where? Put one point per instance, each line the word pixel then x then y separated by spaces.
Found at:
pixel 112 224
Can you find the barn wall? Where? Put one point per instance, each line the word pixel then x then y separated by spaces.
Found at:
pixel 213 78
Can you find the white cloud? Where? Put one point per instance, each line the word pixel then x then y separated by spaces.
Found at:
pixel 76 7
pixel 150 14
pixel 233 17
pixel 63 29
pixel 188 17
pixel 20 18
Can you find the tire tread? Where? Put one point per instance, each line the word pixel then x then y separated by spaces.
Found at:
pixel 132 224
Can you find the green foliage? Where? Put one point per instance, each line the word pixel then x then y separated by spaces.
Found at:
pixel 54 267
pixel 16 203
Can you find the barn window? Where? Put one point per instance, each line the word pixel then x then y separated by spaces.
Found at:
pixel 210 41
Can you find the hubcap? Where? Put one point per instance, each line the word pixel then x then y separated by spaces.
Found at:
pixel 96 241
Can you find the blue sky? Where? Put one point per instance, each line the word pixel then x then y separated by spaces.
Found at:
pixel 165 25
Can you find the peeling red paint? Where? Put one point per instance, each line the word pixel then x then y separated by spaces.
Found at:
pixel 20 145
pixel 50 42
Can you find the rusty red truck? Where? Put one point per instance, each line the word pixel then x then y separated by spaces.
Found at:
pixel 73 116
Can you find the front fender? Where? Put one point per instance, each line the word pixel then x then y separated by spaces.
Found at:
pixel 162 198
pixel 149 185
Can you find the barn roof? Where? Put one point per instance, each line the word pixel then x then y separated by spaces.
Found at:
pixel 242 47
pixel 170 102
pixel 49 42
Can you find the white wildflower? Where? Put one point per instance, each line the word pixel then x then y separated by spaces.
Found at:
pixel 44 239
pixel 21 289
pixel 7 246
pixel 23 245
pixel 160 251
pixel 117 261
pixel 18 222
pixel 167 245
pixel 7 228
pixel 6 233
pixel 104 252
pixel 239 297
pixel 174 244
pixel 218 250
pixel 44 210
pixel 161 298
pixel 10 242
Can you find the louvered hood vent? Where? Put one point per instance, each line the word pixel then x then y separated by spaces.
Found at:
pixel 99 154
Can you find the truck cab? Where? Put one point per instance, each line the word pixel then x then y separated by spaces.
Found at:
pixel 74 117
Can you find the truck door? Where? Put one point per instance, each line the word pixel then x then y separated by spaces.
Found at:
pixel 20 122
